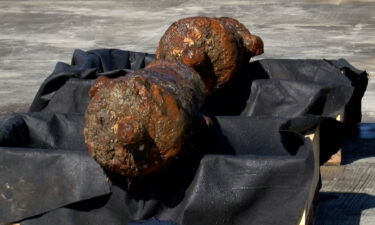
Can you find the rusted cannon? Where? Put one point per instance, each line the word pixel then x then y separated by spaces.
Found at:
pixel 137 124
pixel 215 47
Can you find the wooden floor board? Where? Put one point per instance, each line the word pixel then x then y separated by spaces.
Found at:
pixel 348 194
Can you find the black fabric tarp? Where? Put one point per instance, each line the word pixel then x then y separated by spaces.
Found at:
pixel 252 166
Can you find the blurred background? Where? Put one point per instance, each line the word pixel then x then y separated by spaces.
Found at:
pixel 34 35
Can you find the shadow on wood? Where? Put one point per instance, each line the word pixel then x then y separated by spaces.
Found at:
pixel 360 147
pixel 341 208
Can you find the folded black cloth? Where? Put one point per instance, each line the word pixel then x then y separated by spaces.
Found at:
pixel 252 166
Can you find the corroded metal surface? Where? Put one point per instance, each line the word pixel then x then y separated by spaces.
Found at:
pixel 214 47
pixel 136 124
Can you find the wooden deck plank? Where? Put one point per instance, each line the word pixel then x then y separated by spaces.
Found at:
pixel 348 192
pixel 347 195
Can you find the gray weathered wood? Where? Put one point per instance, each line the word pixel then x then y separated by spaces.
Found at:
pixel 34 35
pixel 348 195
pixel 348 192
